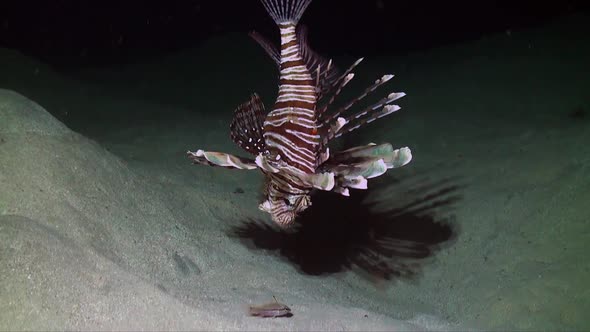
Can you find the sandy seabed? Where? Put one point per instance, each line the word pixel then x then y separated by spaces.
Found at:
pixel 105 225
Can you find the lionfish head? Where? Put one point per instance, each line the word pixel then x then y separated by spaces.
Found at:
pixel 283 209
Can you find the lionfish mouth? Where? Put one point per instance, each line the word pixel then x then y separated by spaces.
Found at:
pixel 284 220
pixel 282 217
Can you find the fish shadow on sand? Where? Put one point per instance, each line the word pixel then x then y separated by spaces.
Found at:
pixel 392 237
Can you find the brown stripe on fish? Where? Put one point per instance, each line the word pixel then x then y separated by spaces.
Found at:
pixel 293 63
pixel 306 82
pixel 294 114
pixel 289 44
pixel 290 103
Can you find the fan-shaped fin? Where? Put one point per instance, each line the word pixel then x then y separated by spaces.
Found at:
pixel 246 128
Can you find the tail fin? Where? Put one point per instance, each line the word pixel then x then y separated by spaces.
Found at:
pixel 285 11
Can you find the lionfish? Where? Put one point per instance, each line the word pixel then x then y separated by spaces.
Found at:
pixel 290 143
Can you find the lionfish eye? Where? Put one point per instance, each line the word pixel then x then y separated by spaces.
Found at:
pixel 287 202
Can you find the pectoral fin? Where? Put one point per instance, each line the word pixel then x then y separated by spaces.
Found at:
pixel 221 159
pixel 354 166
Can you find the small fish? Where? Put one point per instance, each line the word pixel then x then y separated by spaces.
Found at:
pixel 271 309
pixel 290 143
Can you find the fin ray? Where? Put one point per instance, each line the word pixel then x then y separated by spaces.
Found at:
pixel 267 45
pixel 246 128
pixel 353 167
pixel 285 11
pixel 338 85
pixel 317 64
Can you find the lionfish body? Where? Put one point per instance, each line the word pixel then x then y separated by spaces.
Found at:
pixel 290 143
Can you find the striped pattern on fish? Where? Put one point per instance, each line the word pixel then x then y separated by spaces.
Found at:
pixel 291 141
pixel 291 128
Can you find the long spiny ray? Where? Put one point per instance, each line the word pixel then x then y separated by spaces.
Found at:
pixel 328 74
pixel 357 123
pixel 270 49
pixel 385 101
pixel 358 119
pixel 323 79
pixel 367 91
pixel 326 80
pixel 318 71
pixel 339 84
pixel 340 126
